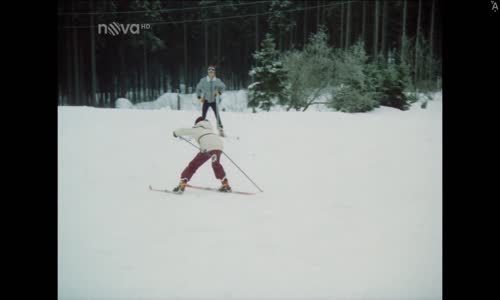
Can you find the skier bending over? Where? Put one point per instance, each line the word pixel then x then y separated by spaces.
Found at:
pixel 210 148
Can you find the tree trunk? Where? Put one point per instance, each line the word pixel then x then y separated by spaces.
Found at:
pixel 75 63
pixel 115 91
pixel 140 80
pixel 185 55
pixel 305 24
pixel 431 38
pixel 76 68
pixel 417 41
pixel 92 57
pixel 133 85
pixel 315 96
pixel 257 27
pixel 213 44
pixel 145 77
pixel 384 28
pixel 280 40
pixel 317 15
pixel 219 33
pixel 375 33
pixel 363 23
pixel 403 36
pixel 162 79
pixel 165 80
pixel 323 16
pixel 69 64
pixel 123 74
pixel 291 32
pixel 159 86
pixel 205 26
pixel 154 81
pixel 348 25
pixel 342 25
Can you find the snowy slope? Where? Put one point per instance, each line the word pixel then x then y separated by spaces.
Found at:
pixel 351 209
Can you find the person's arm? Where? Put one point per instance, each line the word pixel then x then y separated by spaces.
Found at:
pixel 199 91
pixel 185 131
pixel 222 87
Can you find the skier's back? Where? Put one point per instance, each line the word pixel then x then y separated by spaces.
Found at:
pixel 211 147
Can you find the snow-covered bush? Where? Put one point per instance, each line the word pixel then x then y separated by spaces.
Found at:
pixel 309 72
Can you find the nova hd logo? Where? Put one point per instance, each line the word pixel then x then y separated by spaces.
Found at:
pixel 115 28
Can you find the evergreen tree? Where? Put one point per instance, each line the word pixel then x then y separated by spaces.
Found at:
pixel 279 20
pixel 270 77
pixel 356 80
pixel 393 87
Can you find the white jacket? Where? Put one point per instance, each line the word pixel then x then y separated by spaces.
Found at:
pixel 204 135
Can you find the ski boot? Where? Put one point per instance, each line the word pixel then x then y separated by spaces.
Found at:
pixel 225 188
pixel 181 187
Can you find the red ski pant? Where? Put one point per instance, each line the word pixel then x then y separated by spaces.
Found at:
pixel 200 159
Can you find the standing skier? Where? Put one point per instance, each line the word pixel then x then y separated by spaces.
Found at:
pixel 210 148
pixel 207 90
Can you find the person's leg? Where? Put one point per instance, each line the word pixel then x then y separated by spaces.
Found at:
pixel 197 161
pixel 219 171
pixel 217 115
pixel 204 109
pixel 216 165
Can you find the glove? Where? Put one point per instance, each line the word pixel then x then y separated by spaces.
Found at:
pixel 201 99
pixel 174 134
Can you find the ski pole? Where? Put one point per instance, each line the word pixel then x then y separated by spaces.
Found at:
pixel 230 160
pixel 242 171
pixel 189 142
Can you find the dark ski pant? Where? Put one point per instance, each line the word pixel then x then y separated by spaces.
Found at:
pixel 200 159
pixel 214 107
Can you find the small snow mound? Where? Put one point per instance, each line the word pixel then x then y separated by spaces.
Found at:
pixel 123 103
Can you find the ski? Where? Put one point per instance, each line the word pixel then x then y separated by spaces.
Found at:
pixel 216 190
pixel 163 190
pixel 198 188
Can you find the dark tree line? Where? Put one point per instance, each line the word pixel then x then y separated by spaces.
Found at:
pixel 184 36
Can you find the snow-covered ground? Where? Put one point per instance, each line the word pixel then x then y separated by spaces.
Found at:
pixel 351 209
